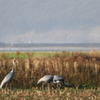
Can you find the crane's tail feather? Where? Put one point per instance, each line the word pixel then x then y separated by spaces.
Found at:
pixel 67 85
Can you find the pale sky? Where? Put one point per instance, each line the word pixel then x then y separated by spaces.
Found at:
pixel 50 21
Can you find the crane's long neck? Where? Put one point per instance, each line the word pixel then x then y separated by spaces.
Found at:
pixel 13 66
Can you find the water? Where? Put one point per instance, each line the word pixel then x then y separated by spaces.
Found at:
pixel 50 47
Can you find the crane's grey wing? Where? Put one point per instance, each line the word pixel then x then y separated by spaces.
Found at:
pixel 7 78
pixel 58 78
pixel 46 78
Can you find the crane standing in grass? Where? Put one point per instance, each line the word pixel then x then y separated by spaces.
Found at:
pixel 56 79
pixel 8 78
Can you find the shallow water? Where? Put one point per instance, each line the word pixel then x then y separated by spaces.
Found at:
pixel 51 47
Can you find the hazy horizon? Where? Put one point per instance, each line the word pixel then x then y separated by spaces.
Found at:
pixel 51 21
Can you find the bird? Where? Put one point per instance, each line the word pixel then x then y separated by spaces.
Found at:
pixel 58 79
pixel 55 79
pixel 9 77
pixel 45 79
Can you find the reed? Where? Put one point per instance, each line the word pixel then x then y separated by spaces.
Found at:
pixel 78 68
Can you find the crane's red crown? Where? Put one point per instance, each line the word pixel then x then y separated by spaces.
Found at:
pixel 14 60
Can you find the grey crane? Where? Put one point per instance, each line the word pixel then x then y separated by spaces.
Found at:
pixel 8 78
pixel 45 79
pixel 58 79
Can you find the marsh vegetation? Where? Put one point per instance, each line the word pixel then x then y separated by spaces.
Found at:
pixel 80 69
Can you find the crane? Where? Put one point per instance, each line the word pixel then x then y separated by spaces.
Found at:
pixel 45 79
pixel 56 79
pixel 8 78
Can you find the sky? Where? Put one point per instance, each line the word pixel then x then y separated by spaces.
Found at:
pixel 50 21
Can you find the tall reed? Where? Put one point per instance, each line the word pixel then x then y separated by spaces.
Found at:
pixel 78 68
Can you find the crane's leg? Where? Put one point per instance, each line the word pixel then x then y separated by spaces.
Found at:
pixel 58 86
pixel 43 85
pixel 48 86
pixel 6 85
pixel 53 85
pixel 10 85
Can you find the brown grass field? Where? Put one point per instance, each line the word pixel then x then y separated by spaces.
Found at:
pixel 36 94
pixel 80 69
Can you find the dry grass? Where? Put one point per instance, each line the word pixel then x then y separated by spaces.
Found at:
pixel 77 68
pixel 81 70
pixel 66 94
